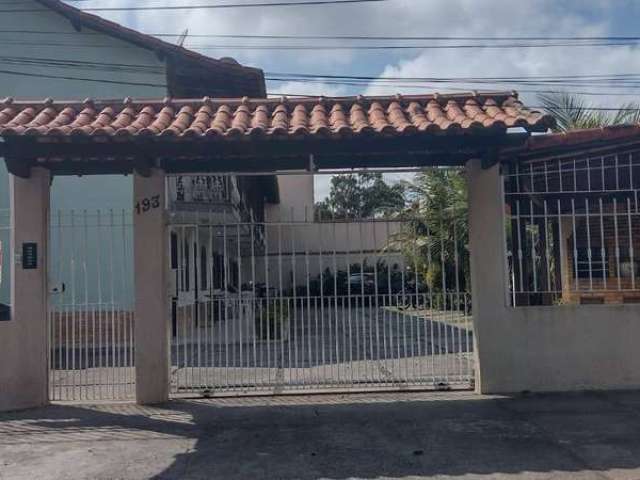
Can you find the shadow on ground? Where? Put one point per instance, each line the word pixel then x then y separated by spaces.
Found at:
pixel 591 435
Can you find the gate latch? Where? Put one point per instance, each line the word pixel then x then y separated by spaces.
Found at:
pixel 57 288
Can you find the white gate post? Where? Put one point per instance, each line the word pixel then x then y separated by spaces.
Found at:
pixel 23 339
pixel 488 268
pixel 151 311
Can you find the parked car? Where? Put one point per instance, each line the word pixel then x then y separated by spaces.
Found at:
pixel 356 281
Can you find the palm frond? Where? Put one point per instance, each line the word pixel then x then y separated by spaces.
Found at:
pixel 572 112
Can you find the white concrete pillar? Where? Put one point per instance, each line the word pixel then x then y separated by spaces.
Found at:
pixel 23 340
pixel 488 263
pixel 152 311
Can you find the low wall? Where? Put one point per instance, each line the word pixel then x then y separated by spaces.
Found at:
pixel 551 348
pixel 560 348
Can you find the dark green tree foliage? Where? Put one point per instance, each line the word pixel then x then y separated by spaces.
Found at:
pixel 436 236
pixel 363 195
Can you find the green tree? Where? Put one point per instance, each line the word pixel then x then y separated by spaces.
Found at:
pixel 434 240
pixel 572 112
pixel 363 195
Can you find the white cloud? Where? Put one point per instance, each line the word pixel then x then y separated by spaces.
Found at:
pixel 408 18
pixel 301 88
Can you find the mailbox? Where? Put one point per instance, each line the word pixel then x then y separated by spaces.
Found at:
pixel 29 256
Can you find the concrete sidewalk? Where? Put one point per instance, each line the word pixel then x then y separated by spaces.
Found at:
pixel 398 436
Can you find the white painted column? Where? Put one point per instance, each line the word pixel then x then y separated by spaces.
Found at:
pixel 23 340
pixel 488 266
pixel 152 311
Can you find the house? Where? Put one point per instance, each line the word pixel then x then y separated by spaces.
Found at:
pixel 61 52
pixel 574 228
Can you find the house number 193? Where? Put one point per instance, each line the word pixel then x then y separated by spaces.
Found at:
pixel 147 204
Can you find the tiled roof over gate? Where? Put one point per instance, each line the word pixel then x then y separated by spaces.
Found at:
pixel 237 119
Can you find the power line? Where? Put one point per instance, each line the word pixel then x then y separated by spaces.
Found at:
pixel 351 37
pixel 204 7
pixel 340 47
pixel 628 79
pixel 584 81
pixel 83 79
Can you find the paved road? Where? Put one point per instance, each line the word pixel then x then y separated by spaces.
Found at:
pixel 383 436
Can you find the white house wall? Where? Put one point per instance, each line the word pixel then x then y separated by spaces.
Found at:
pixel 65 47
pixel 70 192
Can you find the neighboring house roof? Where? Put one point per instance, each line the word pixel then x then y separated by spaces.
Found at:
pixel 239 119
pixel 253 76
pixel 575 142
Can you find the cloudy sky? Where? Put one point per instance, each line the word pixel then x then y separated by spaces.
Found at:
pixel 409 18
pixel 403 18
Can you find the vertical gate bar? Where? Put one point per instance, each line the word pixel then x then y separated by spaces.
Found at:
pixel 226 297
pixel 306 316
pixel 214 312
pixel 347 251
pixel 253 309
pixel 376 258
pixel 85 322
pixel 617 240
pixel 193 335
pixel 264 314
pixel 314 353
pixel 72 267
pixel 197 274
pixel 51 328
pixel 362 359
pixel 443 315
pixel 417 318
pixel 398 335
pixel 467 324
pixel 561 243
pixel 336 315
pixel 534 265
pixel 113 299
pixel 631 246
pixel 295 299
pixel 589 254
pixel 205 265
pixel 182 376
pixel 575 244
pixel 432 307
pixel 94 367
pixel 280 312
pixel 456 321
pixel 547 252
pixel 58 309
pixel 322 313
pixel 130 317
pixel 403 310
pixel 520 252
pixel 389 315
pixel 123 313
pixel 240 368
pixel 100 376
pixel 603 258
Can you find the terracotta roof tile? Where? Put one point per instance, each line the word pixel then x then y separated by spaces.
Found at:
pixel 243 118
pixel 585 137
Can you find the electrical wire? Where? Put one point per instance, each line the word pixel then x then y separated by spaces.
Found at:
pixel 204 7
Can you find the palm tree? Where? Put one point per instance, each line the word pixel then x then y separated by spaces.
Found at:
pixel 572 112
pixel 435 234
